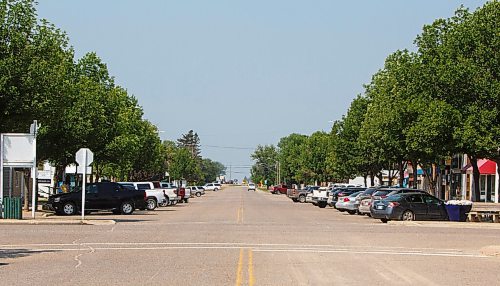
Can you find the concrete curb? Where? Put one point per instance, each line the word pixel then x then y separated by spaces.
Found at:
pixel 447 224
pixel 56 222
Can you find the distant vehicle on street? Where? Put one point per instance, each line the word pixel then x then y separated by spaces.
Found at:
pixel 251 187
pixel 99 196
pixel 409 207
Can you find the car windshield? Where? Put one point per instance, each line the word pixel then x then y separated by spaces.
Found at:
pixel 369 191
pixel 393 198
pixel 381 193
pixel 355 194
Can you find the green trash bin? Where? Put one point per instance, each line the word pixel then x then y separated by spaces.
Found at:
pixel 12 208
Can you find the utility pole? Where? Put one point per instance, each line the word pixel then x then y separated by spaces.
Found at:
pixel 230 172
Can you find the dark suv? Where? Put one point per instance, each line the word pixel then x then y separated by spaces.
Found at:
pixel 99 196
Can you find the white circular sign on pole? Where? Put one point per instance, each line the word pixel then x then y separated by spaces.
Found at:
pixel 84 157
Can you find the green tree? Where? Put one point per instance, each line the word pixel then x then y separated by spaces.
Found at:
pixel 191 141
pixel 461 58
pixel 264 168
pixel 210 170
pixel 290 154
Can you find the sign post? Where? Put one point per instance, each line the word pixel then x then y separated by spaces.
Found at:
pixel 84 157
pixel 33 130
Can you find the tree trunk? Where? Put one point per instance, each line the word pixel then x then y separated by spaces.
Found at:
pixel 476 192
pixel 380 178
pixel 372 179
pixel 401 173
pixel 97 175
pixel 414 165
pixel 364 178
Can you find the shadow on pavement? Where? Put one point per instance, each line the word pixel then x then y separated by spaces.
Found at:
pixel 131 220
pixel 17 253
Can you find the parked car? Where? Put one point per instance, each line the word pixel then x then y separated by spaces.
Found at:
pixel 174 193
pixel 409 206
pixel 154 197
pixel 348 203
pixel 196 191
pixel 212 187
pixel 320 197
pixel 364 200
pixel 99 196
pixel 335 194
pixel 300 195
pixel 279 189
pixel 251 187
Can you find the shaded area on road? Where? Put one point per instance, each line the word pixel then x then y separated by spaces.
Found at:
pixel 18 253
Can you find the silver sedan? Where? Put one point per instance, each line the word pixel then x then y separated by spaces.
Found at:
pixel 349 204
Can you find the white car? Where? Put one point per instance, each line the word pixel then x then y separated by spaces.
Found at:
pixel 251 187
pixel 196 191
pixel 212 187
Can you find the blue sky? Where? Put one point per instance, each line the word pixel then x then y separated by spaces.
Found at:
pixel 243 73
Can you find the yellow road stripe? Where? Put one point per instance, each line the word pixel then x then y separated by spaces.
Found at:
pixel 240 268
pixel 251 279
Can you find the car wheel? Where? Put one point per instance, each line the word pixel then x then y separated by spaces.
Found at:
pixel 127 208
pixel 322 205
pixel 186 201
pixel 151 204
pixel 174 203
pixel 408 216
pixel 69 209
pixel 351 212
pixel 295 200
pixel 302 199
pixel 215 190
pixel 384 220
pixel 198 194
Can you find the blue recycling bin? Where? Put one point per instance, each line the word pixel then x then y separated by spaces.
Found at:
pixel 458 212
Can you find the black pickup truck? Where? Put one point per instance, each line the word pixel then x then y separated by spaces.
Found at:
pixel 99 196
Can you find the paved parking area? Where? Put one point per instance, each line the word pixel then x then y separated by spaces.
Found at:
pixel 235 237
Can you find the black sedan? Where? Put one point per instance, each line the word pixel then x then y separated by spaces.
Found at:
pixel 409 206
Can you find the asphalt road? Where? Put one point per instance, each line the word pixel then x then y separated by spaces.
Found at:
pixel 235 237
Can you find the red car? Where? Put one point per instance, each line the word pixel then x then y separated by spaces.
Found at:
pixel 279 189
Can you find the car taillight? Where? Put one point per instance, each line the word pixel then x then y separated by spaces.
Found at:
pixel 393 204
pixel 346 199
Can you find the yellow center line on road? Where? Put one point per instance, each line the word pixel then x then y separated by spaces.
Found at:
pixel 239 273
pixel 251 279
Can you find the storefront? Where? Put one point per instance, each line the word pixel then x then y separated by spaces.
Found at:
pixel 487 181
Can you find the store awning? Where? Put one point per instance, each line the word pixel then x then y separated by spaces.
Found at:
pixel 486 167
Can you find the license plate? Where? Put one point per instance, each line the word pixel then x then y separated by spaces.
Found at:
pixel 380 207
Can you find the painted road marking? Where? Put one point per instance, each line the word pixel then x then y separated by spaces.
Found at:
pixel 238 244
pixel 251 279
pixel 239 273
pixel 85 247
